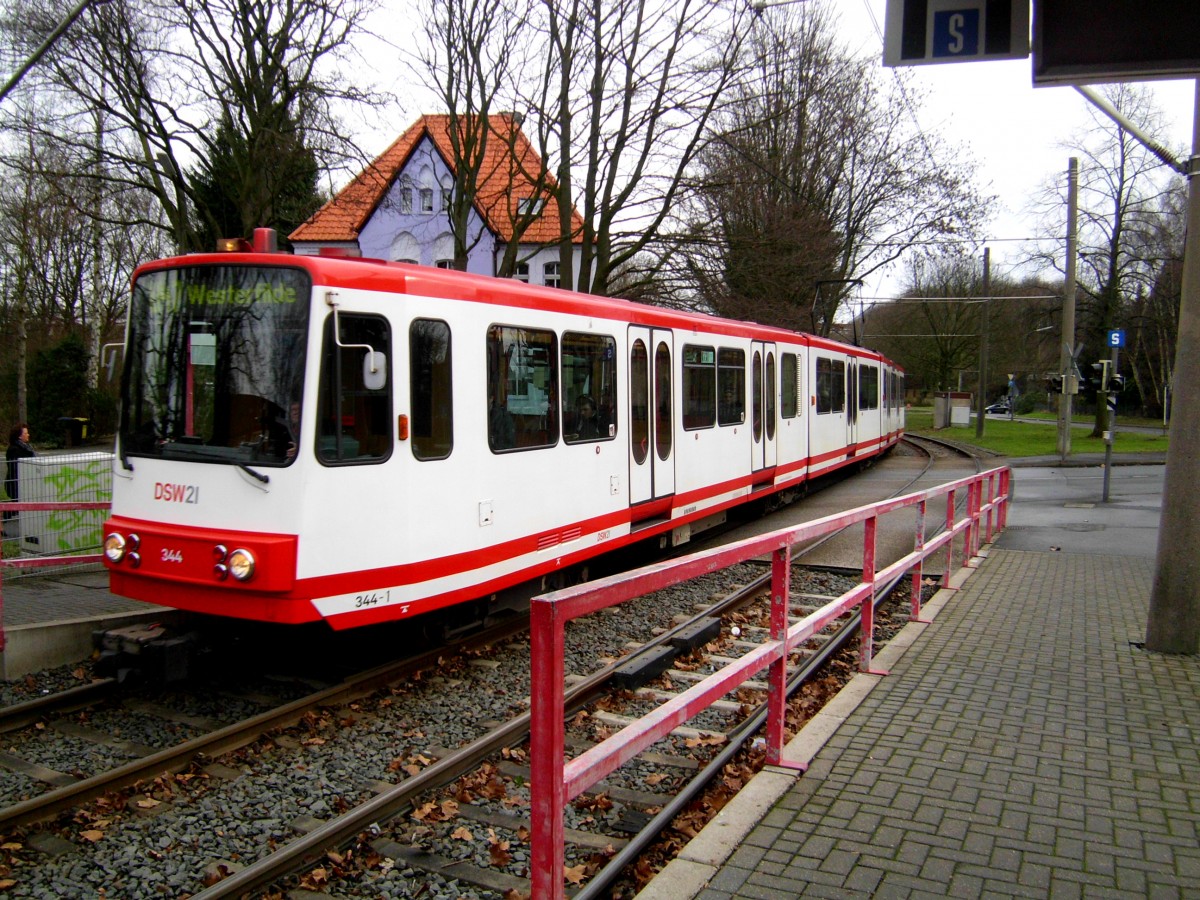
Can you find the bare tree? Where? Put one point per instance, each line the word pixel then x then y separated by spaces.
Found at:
pixel 472 60
pixel 1122 189
pixel 1153 316
pixel 932 329
pixel 65 269
pixel 817 175
pixel 626 97
pixel 169 75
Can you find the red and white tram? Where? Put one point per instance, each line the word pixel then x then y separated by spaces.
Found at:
pixel 308 438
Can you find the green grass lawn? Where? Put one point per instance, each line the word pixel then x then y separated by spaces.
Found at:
pixel 1029 438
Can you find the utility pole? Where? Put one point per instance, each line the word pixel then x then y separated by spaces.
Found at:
pixel 981 401
pixel 1067 355
pixel 1174 622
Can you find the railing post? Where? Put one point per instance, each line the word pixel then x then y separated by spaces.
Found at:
pixel 781 592
pixel 977 518
pixel 991 499
pixel 867 614
pixel 1005 488
pixel 950 543
pixel 914 614
pixel 969 534
pixel 546 746
pixel 2 637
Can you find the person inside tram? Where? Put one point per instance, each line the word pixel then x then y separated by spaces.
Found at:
pixel 588 421
pixel 501 428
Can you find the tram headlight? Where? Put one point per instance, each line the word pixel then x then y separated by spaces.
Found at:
pixel 114 547
pixel 241 564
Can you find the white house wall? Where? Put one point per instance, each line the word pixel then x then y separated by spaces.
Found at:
pixel 422 236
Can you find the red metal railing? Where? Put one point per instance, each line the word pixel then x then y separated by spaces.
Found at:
pixel 39 562
pixel 555 781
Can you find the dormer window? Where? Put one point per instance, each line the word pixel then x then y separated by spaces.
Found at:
pixel 531 206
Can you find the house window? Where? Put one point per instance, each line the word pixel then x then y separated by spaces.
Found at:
pixel 445 264
pixel 446 193
pixel 550 274
pixel 405 192
pixel 426 199
pixel 521 272
pixel 531 206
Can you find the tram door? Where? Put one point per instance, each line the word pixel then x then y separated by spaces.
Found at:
pixel 764 391
pixel 651 417
pixel 851 405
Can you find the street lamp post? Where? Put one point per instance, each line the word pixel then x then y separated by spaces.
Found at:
pixel 1067 353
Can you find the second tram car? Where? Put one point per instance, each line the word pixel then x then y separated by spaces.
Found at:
pixel 355 441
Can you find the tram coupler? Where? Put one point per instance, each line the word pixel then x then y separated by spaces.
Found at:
pixel 149 652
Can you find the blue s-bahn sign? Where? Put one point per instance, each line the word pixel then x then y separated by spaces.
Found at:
pixel 938 31
pixel 955 33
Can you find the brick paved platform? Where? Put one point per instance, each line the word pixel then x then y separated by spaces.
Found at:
pixel 1023 745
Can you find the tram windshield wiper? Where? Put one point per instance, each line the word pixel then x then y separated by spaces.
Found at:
pixel 229 455
pixel 265 479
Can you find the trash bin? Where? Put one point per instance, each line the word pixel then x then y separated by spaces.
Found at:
pixel 76 429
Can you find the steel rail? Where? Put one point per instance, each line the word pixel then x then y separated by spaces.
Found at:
pixel 177 758
pixel 20 715
pixel 310 847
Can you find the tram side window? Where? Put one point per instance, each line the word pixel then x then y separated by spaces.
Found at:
pixel 868 387
pixel 731 385
pixel 831 385
pixel 589 387
pixel 354 416
pixel 522 388
pixel 789 386
pixel 432 409
pixel 699 387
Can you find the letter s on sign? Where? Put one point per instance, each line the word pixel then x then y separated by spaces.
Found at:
pixel 957 21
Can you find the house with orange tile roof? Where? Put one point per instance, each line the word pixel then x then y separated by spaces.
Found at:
pixel 397 207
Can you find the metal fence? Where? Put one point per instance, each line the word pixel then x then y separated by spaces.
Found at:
pixel 33 530
pixel 555 780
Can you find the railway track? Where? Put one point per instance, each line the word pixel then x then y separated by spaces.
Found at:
pixel 409 821
pixel 466 814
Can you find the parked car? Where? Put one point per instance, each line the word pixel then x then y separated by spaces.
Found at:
pixel 1000 407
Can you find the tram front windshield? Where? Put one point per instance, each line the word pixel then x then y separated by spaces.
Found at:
pixel 214 368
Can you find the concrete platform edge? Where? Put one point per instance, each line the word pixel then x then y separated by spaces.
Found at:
pixel 30 648
pixel 690 872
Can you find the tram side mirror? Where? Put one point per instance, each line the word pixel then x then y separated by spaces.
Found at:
pixel 374 370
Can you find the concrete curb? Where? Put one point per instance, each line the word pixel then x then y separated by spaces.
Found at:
pixel 690 872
